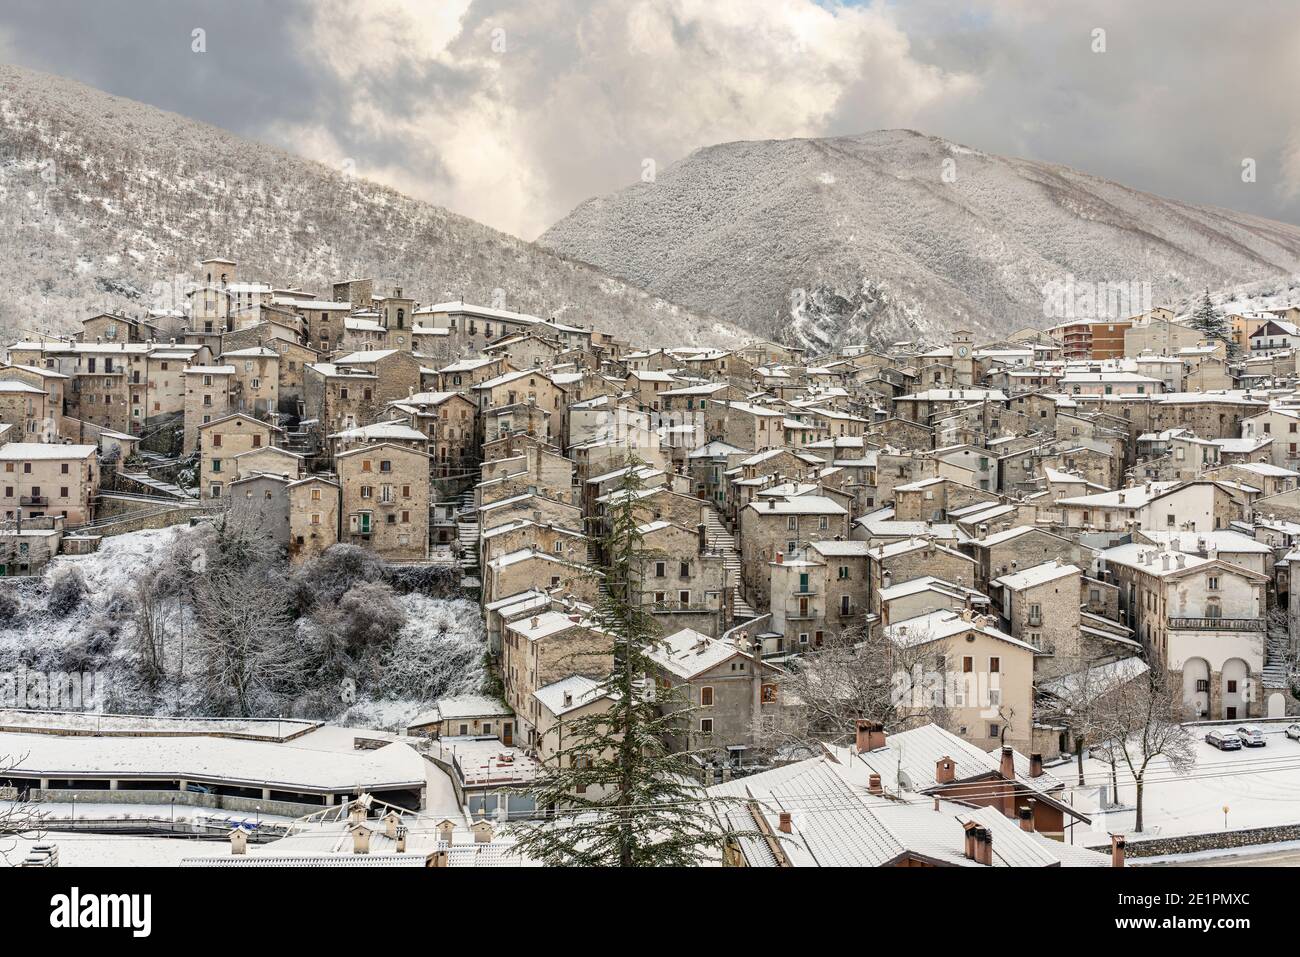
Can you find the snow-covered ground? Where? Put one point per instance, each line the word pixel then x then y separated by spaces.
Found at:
pixel 1259 787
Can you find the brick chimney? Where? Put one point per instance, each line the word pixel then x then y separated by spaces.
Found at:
pixel 1007 767
pixel 945 770
pixel 871 736
pixel 969 850
pixel 873 785
pixel 1117 850
pixel 1036 765
pixel 785 823
pixel 984 845
pixel 1027 819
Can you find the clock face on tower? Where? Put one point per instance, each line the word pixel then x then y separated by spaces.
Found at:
pixel 962 352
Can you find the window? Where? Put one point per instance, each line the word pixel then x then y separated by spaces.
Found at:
pixel 792 523
pixel 684 597
pixel 216 440
pixel 660 570
pixel 1232 687
pixel 706 697
pixel 995 665
pixel 684 570
pixel 967 664
pixel 1213 583
pixel 844 572
pixel 995 731
pixel 706 726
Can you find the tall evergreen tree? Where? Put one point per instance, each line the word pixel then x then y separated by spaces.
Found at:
pixel 1210 321
pixel 614 794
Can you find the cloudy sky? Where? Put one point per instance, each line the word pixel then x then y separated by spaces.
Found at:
pixel 514 111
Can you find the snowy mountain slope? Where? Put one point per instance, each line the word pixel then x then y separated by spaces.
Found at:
pixel 104 202
pixel 863 237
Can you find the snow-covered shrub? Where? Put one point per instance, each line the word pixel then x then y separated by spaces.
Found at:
pixel 372 615
pixel 439 651
pixel 327 577
pixel 9 608
pixel 67 589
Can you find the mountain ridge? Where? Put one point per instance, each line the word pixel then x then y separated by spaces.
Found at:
pixel 827 240
pixel 107 203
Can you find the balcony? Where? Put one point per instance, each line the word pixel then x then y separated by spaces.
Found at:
pixel 34 500
pixel 1216 624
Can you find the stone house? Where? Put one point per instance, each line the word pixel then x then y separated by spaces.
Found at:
pixel 386 493
pixel 313 516
pixel 783 525
pixel 221 440
pixel 726 689
pixel 544 648
pixel 40 479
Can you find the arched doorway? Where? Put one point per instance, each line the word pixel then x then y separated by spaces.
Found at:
pixel 1277 705
pixel 1235 681
pixel 1196 686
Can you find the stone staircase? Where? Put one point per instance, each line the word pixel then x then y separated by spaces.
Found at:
pixel 1277 661
pixel 718 538
pixel 467 532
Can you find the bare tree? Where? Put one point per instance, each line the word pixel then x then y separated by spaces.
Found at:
pixel 1143 717
pixel 19 817
pixel 861 674
pixel 245 637
pixel 1076 700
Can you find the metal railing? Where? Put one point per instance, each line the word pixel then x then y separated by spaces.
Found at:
pixel 1216 624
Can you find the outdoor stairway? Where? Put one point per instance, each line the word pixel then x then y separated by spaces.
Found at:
pixel 719 539
pixel 1276 668
pixel 467 531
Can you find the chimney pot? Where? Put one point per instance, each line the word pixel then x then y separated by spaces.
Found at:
pixel 1035 765
pixel 1026 819
pixel 873 785
pixel 786 823
pixel 1117 843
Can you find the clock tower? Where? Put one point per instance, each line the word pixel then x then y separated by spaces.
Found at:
pixel 963 359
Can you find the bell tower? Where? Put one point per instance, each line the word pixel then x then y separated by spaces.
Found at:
pixel 963 359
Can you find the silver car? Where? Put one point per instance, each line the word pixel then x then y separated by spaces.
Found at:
pixel 1251 736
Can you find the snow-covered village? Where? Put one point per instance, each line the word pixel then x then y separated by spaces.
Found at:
pixel 582 435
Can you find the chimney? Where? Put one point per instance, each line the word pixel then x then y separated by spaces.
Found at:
pixel 771 504
pixel 400 837
pixel 1164 561
pixel 984 846
pixel 786 824
pixel 391 822
pixel 238 841
pixel 1036 765
pixel 1117 850
pixel 568 699
pixel 780 558
pixel 357 812
pixel 945 770
pixel 971 854
pixel 482 832
pixel 360 839
pixel 445 830
pixel 871 736
pixel 534 622
pixel 1007 767
pixel 1027 819
pixel 873 785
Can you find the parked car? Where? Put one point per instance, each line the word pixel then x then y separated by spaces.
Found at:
pixel 1251 736
pixel 1224 740
pixel 1293 732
